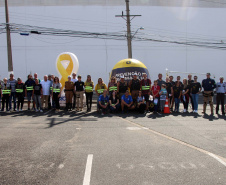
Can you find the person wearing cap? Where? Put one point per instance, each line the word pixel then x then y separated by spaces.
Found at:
pixel 134 86
pixel 29 85
pixel 5 94
pixel 69 91
pixel 112 86
pixel 89 92
pixel 122 86
pixel 208 85
pixel 221 90
pixel 46 84
pixel 79 86
pixel 12 82
pixel 20 92
pixel 127 102
pixel 196 88
pixel 145 85
pixel 74 79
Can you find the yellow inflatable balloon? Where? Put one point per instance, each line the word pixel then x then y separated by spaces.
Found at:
pixel 66 64
pixel 127 68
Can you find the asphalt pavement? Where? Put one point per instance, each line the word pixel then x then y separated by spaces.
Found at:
pixel 122 149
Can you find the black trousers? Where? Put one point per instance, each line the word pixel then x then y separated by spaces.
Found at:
pixel 56 100
pixel 20 98
pixel 141 108
pixel 5 99
pixel 220 100
pixel 89 97
pixel 74 100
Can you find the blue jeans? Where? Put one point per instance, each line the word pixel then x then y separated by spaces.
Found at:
pixel 195 98
pixel 177 104
pixel 38 101
pixel 12 96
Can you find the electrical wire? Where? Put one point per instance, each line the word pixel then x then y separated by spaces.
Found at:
pixel 19 28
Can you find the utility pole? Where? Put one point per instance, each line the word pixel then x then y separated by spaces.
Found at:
pixel 128 20
pixel 9 48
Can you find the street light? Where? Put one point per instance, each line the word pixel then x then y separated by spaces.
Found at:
pixel 141 28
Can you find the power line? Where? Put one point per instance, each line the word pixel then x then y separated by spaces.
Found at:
pixel 18 28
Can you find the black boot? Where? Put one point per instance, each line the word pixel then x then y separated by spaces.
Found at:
pixel 70 106
pixel 66 108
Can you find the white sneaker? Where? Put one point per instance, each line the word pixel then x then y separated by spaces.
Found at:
pixel 41 110
pixel 185 110
pixel 196 111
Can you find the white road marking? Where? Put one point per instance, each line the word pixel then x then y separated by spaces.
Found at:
pixel 87 176
pixel 220 159
pixel 61 166
pixel 217 158
pixel 133 128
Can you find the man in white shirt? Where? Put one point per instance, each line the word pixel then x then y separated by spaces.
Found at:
pixel 46 84
pixel 220 89
pixel 74 79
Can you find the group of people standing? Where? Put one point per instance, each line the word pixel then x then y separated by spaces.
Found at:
pixel 117 96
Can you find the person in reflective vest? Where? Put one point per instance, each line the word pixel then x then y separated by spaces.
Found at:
pixel 145 85
pixel 29 84
pixel 89 92
pixel 112 86
pixel 20 92
pixel 12 82
pixel 99 89
pixel 5 94
pixel 56 93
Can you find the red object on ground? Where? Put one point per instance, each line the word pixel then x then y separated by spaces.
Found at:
pixel 166 108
